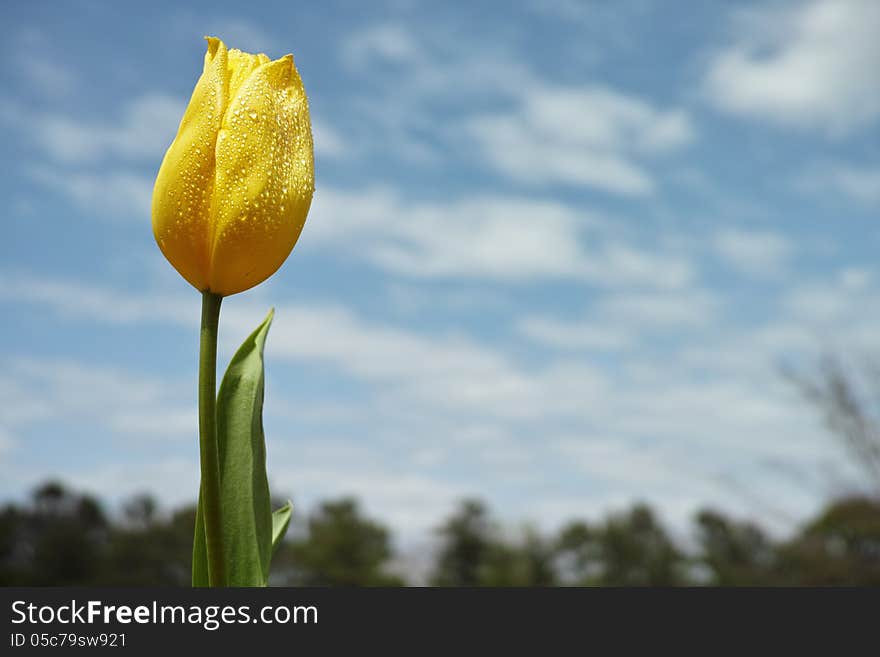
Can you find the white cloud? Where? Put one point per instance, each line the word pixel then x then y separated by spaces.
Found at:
pixel 409 299
pixel 328 142
pixel 855 278
pixel 611 21
pixel 32 54
pixel 446 371
pixel 492 237
pixel 18 408
pixel 434 62
pixel 80 153
pixel 411 502
pixel 174 480
pixel 144 130
pixel 617 264
pixel 854 183
pixel 574 335
pixel 512 145
pixel 843 310
pixel 450 372
pixel 531 130
pixel 652 311
pixel 390 42
pixel 438 372
pixel 7 441
pixel 616 321
pixel 591 136
pixel 79 300
pixel 115 194
pixel 809 65
pixel 495 238
pixel 756 253
pixel 615 461
pixel 49 76
pixel 118 401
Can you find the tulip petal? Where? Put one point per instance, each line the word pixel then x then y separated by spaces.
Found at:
pixel 264 177
pixel 240 65
pixel 184 186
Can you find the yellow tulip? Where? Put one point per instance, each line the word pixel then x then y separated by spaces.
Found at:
pixel 234 189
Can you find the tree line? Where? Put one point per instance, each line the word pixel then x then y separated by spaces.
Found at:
pixel 62 537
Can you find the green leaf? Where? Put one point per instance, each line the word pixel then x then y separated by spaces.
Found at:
pixel 200 552
pixel 244 488
pixel 280 522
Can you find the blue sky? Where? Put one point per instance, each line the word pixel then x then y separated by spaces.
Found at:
pixel 556 257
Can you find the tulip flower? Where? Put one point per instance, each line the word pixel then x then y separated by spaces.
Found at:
pixel 229 203
pixel 235 186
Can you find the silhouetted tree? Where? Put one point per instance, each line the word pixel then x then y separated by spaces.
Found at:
pixel 59 540
pixel 342 549
pixel 841 547
pixel 630 549
pixel 472 553
pixel 735 553
pixel 466 544
pixel 578 554
pixel 525 563
pixel 150 549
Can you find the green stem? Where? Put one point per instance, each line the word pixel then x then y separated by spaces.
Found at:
pixel 209 457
